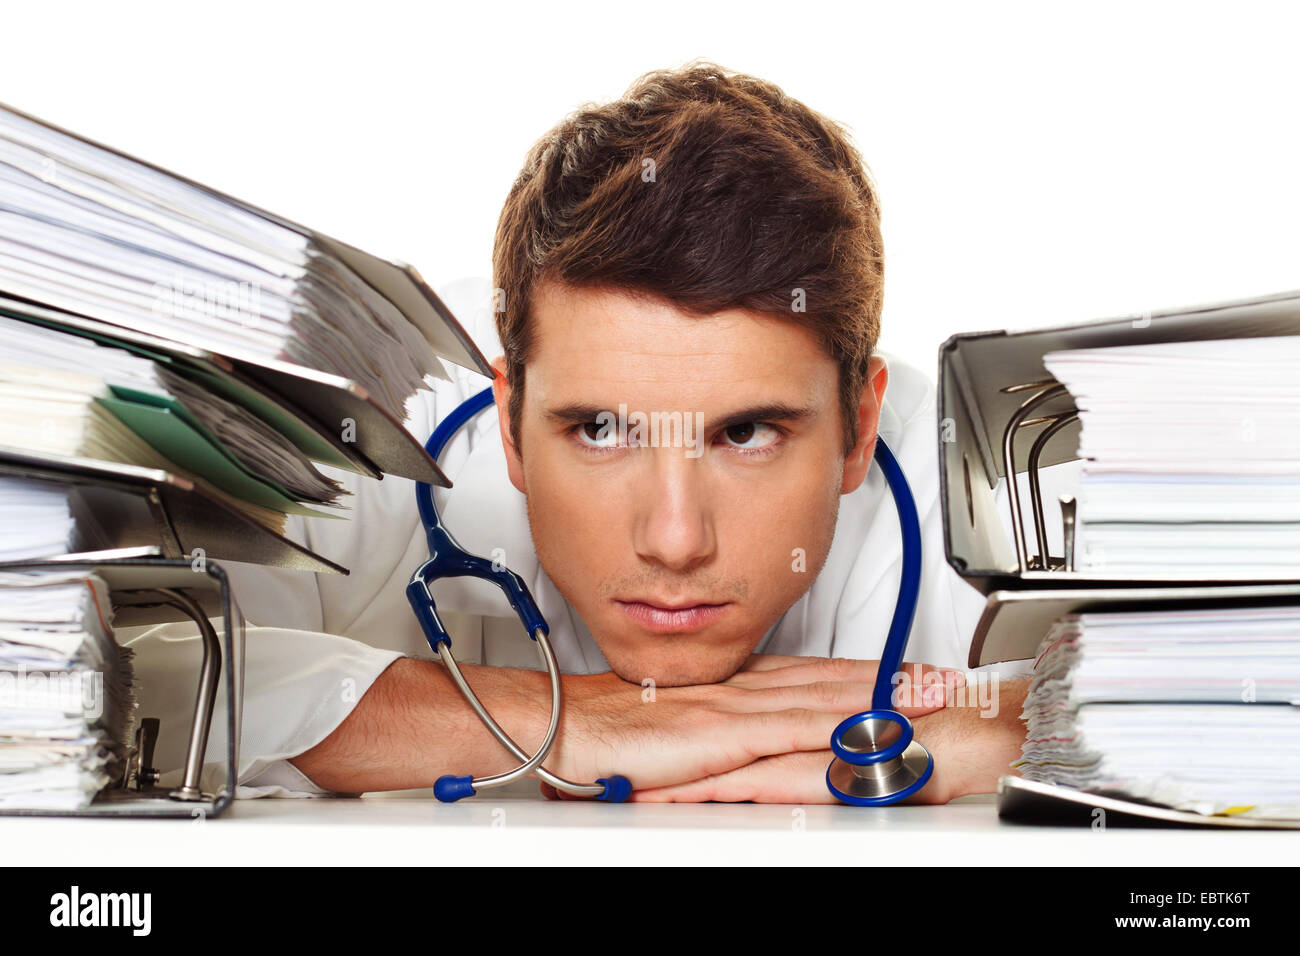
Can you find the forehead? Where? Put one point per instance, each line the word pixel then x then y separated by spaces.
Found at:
pixel 614 346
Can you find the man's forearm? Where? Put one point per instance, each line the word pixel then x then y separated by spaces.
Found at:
pixel 412 726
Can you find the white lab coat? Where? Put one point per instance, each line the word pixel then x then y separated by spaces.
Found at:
pixel 315 643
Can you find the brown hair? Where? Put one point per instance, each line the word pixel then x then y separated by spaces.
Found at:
pixel 708 190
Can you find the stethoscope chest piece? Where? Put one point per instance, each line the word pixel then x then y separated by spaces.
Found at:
pixel 877 760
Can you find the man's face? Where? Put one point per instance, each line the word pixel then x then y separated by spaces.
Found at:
pixel 679 555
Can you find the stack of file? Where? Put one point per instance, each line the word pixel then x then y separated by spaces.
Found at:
pixel 67 703
pixel 171 343
pixel 180 371
pixel 68 396
pixel 1191 456
pixel 89 231
pixel 1193 709
pixel 44 518
pixel 174 365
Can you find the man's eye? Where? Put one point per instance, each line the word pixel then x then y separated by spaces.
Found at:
pixel 751 436
pixel 595 435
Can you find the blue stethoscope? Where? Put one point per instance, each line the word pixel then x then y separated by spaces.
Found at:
pixel 877 761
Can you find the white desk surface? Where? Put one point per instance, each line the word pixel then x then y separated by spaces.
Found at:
pixel 411 827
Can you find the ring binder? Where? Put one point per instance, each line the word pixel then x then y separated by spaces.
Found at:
pixel 982 381
pixel 147 590
pixel 325 354
pixel 1002 413
pixel 994 392
pixel 147 507
pixel 379 442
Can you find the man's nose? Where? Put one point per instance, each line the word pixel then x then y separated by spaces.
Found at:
pixel 674 524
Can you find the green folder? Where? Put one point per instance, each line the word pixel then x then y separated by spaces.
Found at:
pixel 308 442
pixel 167 426
pixel 298 432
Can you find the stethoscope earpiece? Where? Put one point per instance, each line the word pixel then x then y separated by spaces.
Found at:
pixel 877 761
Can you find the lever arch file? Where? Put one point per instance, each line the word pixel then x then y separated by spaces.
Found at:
pixel 1003 413
pixel 176 361
pixel 151 590
pixel 143 507
pixel 998 403
pixel 311 408
pixel 74 197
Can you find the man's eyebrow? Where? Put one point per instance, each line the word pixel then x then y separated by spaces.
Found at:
pixel 768 412
pixel 579 413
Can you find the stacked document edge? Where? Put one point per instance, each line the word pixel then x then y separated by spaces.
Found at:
pixel 1193 709
pixel 137 313
pixel 67 697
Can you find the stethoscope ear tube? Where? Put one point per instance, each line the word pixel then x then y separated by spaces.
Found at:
pixel 448 559
pixel 450 788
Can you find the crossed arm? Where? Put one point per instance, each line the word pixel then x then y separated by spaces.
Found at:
pixel 761 735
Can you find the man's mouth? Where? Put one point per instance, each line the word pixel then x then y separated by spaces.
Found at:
pixel 672 619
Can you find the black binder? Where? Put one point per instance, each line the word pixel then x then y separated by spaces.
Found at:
pixel 1001 413
pixel 155 590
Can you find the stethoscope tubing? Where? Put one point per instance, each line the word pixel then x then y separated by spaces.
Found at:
pixel 531 764
pixel 618 788
pixel 451 787
pixel 909 586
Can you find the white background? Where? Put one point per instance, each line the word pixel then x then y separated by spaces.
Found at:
pixel 1036 165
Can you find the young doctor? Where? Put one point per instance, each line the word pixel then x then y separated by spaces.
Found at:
pixel 707 246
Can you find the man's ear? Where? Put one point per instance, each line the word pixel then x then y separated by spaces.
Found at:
pixel 858 461
pixel 501 395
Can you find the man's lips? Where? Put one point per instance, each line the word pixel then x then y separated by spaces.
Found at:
pixel 678 619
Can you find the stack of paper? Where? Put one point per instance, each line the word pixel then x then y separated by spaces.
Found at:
pixel 174 363
pixel 90 231
pixel 1192 457
pixel 40 520
pixel 1192 709
pixel 67 701
pixel 68 396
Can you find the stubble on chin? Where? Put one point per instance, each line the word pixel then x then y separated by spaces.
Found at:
pixel 671 669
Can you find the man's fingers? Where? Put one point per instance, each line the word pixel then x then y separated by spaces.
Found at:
pixel 770 670
pixel 767 733
pixel 554 793
pixel 836 697
pixel 810 669
pixel 788 778
pixel 917 686
pixel 767 662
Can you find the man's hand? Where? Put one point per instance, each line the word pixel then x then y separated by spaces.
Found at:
pixel 412 725
pixel 658 737
pixel 971 748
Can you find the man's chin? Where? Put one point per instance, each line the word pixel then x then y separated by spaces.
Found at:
pixel 678 669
